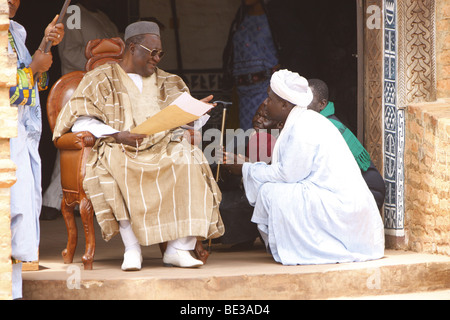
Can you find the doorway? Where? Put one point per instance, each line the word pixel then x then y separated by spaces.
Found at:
pixel 320 41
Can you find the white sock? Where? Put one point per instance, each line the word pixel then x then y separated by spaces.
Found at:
pixel 128 237
pixel 187 244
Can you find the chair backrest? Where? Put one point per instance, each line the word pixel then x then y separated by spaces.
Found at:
pixel 101 51
pixel 60 94
pixel 98 52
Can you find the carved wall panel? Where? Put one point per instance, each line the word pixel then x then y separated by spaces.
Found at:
pixel 393 125
pixel 416 40
pixel 373 87
pixel 408 76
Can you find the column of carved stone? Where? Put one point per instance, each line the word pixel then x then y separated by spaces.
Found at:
pixel 409 76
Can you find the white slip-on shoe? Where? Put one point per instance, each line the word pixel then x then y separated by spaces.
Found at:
pixel 132 260
pixel 182 259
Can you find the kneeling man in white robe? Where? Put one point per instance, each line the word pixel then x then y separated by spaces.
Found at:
pixel 312 205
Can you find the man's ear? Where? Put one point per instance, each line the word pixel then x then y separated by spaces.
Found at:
pixel 287 105
pixel 132 47
pixel 323 103
pixel 279 125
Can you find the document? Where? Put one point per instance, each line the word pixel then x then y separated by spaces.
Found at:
pixel 183 110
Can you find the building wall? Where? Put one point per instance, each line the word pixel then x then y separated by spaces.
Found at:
pixel 8 129
pixel 427 155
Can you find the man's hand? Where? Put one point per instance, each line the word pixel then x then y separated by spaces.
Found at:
pixel 130 139
pixel 54 32
pixel 41 62
pixel 207 100
pixel 231 162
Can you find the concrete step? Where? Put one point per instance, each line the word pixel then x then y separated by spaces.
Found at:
pixel 228 275
pixel 427 295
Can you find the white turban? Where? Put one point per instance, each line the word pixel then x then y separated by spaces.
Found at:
pixel 292 87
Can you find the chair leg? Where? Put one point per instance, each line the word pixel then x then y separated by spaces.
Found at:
pixel 72 231
pixel 87 217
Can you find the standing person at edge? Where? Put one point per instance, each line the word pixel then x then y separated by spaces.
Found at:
pixel 150 189
pixel 250 57
pixel 31 78
pixel 312 205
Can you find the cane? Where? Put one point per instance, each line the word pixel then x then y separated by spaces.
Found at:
pixel 49 44
pixel 60 19
pixel 224 114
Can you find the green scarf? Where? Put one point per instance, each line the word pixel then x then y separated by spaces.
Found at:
pixel 361 155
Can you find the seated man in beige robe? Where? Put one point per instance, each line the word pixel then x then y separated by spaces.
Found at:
pixel 150 189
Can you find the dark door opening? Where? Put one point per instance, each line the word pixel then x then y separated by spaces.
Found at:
pixel 320 41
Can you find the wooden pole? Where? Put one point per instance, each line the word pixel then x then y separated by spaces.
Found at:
pixel 63 12
pixel 224 114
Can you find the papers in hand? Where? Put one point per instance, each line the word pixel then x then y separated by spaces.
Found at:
pixel 183 110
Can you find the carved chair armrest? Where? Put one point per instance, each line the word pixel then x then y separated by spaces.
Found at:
pixel 75 141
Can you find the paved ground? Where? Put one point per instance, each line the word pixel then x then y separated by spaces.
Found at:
pixel 230 275
pixel 432 295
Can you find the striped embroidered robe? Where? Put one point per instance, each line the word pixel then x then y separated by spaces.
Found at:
pixel 165 188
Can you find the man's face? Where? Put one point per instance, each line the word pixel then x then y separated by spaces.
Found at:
pixel 13 7
pixel 144 64
pixel 274 107
pixel 261 120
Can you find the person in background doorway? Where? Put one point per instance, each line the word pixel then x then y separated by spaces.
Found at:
pixel 95 24
pixel 250 58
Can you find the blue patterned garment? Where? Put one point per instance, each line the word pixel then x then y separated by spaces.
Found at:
pixel 254 51
pixel 26 197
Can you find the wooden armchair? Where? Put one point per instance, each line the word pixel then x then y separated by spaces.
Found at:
pixel 74 149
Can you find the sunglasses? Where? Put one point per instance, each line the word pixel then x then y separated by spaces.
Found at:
pixel 154 52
